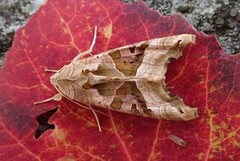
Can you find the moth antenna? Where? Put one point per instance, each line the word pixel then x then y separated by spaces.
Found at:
pixel 89 51
pixel 94 38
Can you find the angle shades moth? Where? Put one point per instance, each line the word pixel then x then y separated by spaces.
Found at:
pixel 128 79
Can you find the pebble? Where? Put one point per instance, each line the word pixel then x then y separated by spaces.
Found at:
pixel 233 12
pixel 185 9
pixel 219 21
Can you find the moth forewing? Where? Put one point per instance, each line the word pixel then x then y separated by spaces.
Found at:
pixel 128 79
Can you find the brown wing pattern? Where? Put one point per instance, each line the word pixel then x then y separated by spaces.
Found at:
pixel 131 79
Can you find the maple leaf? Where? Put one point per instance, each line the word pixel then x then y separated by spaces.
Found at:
pixel 205 77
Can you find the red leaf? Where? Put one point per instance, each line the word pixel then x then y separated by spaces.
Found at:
pixel 205 77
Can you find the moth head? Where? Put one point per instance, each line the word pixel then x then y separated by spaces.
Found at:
pixel 67 80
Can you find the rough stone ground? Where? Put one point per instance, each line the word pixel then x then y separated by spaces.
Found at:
pixel 218 17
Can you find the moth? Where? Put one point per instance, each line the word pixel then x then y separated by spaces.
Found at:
pixel 127 79
pixel 177 140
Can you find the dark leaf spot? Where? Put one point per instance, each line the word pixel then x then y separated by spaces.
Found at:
pixel 43 122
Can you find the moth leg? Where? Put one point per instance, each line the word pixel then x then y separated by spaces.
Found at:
pixel 51 70
pixel 96 117
pixel 56 97
pixel 89 51
pixel 93 111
